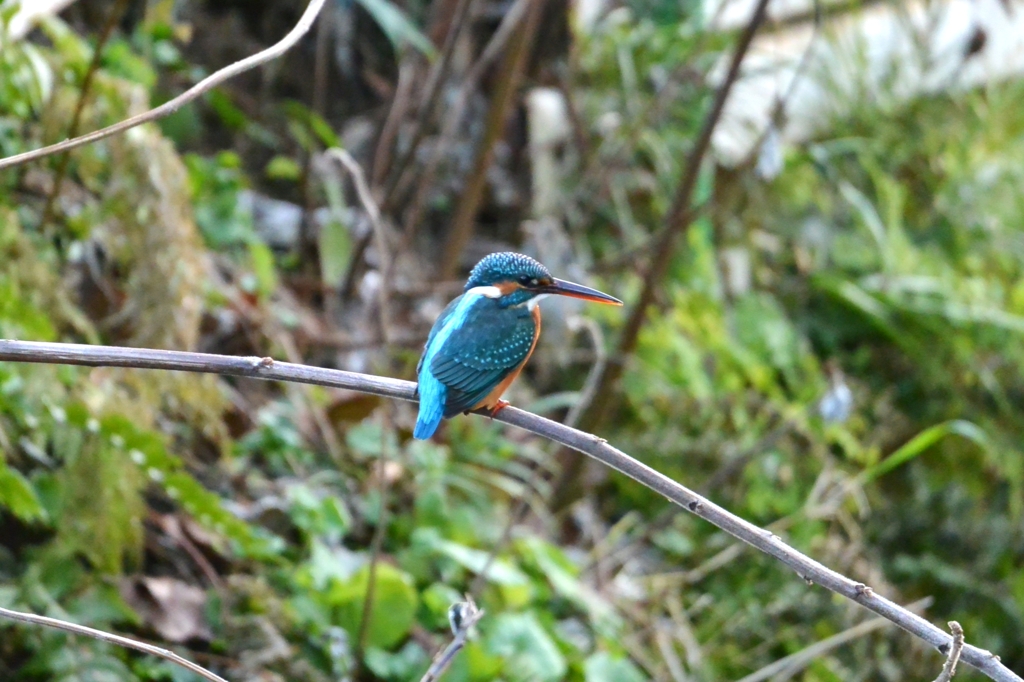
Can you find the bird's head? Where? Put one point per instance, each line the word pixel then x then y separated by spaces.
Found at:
pixel 515 279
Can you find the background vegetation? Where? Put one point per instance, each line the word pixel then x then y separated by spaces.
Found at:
pixel 239 521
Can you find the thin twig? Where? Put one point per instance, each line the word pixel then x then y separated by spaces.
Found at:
pixel 203 86
pixel 589 389
pixel 956 648
pixel 125 642
pixel 389 131
pixel 76 118
pixel 805 567
pixel 380 236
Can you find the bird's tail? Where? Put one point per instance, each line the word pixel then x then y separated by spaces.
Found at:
pixel 426 425
pixel 432 398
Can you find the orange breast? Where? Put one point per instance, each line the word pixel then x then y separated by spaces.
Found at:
pixel 495 395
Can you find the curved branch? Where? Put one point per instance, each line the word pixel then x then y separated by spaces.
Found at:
pixel 203 86
pixel 125 642
pixel 267 368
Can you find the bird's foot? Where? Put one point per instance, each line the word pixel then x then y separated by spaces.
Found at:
pixel 498 407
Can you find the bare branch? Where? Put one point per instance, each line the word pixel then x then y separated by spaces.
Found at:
pixel 380 236
pixel 805 567
pixel 203 86
pixel 127 643
pixel 956 648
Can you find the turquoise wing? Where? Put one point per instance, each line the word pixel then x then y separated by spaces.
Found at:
pixel 432 393
pixel 438 326
pixel 490 344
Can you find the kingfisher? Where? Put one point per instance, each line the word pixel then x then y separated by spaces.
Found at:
pixel 483 338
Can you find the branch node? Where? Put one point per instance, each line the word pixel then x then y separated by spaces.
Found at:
pixel 863 590
pixel 695 506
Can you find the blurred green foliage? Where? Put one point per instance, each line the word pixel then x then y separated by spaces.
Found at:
pixel 890 245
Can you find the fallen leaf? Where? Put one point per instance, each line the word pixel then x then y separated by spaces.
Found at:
pixel 173 609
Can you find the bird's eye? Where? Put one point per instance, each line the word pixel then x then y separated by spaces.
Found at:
pixel 525 280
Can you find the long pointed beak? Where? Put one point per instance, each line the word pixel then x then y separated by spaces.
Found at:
pixel 563 288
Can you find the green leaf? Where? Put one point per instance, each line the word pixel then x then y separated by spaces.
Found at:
pixel 18 495
pixel 120 60
pixel 310 122
pixel 500 571
pixel 474 664
pixel 924 440
pixel 102 606
pixel 317 513
pixel 563 578
pixel 401 665
pixel 392 613
pixel 335 252
pixel 335 240
pixel 397 26
pixel 230 115
pixel 603 667
pixel 262 261
pixel 529 651
pixel 147 450
pixel 283 168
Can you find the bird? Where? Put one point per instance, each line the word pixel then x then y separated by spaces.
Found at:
pixel 483 338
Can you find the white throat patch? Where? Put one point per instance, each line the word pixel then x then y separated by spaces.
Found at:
pixel 533 302
pixel 489 292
